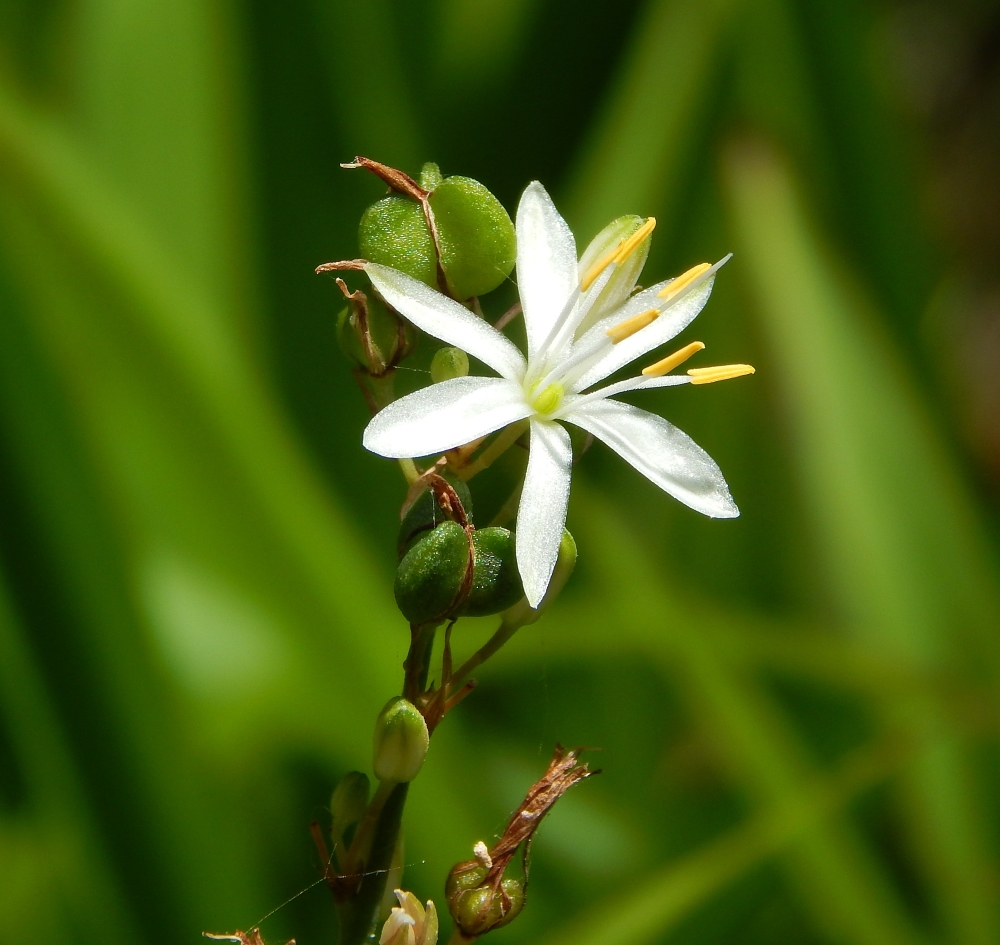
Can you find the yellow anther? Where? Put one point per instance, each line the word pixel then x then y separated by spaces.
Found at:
pixel 674 360
pixel 618 254
pixel 630 245
pixel 723 372
pixel 678 285
pixel 631 325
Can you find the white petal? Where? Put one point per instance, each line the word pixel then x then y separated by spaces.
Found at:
pixel 444 318
pixel 660 452
pixel 445 415
pixel 546 263
pixel 541 515
pixel 673 321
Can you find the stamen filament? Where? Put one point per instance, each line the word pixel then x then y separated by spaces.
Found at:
pixel 618 254
pixel 683 281
pixel 721 372
pixel 674 360
pixel 631 325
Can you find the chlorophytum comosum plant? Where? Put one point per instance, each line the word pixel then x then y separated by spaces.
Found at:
pixel 430 250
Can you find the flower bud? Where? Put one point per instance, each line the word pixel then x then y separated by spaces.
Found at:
pixel 496 582
pixel 425 514
pixel 394 232
pixel 430 578
pixel 410 923
pixel 400 743
pixel 477 909
pixel 449 363
pixel 348 803
pixel 430 175
pixel 623 280
pixel 475 236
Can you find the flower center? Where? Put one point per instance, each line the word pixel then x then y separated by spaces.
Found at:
pixel 549 399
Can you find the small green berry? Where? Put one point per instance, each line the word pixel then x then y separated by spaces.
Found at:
pixel 475 236
pixel 394 232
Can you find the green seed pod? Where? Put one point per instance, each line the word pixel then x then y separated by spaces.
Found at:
pixel 372 336
pixel 400 742
pixel 430 577
pixel 425 514
pixel 475 236
pixel 449 363
pixel 394 232
pixel 496 583
pixel 348 339
pixel 479 909
pixel 348 803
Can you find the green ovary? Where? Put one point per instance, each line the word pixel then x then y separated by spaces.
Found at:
pixel 549 399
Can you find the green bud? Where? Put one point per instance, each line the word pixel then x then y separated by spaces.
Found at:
pixel 430 577
pixel 449 363
pixel 496 582
pixel 623 281
pixel 430 176
pixel 401 741
pixel 349 800
pixel 425 514
pixel 475 236
pixel 394 232
pixel 477 909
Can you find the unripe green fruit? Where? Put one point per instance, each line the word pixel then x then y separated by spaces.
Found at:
pixel 478 909
pixel 393 232
pixel 425 514
pixel 496 582
pixel 400 741
pixel 475 236
pixel 388 334
pixel 430 577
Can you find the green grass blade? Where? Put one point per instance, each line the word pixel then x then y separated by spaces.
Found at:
pixel 886 502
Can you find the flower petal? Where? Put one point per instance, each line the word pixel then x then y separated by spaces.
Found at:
pixel 546 263
pixel 541 515
pixel 675 319
pixel 444 318
pixel 445 415
pixel 661 452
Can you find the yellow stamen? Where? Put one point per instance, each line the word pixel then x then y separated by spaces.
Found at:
pixel 677 358
pixel 722 372
pixel 631 325
pixel 632 243
pixel 618 254
pixel 683 281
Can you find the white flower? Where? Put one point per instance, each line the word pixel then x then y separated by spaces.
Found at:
pixel 583 324
pixel 409 923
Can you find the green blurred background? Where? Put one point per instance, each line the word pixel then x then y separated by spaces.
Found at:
pixel 797 712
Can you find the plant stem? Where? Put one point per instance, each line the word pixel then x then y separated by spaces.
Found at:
pixel 504 632
pixel 359 918
pixel 495 450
